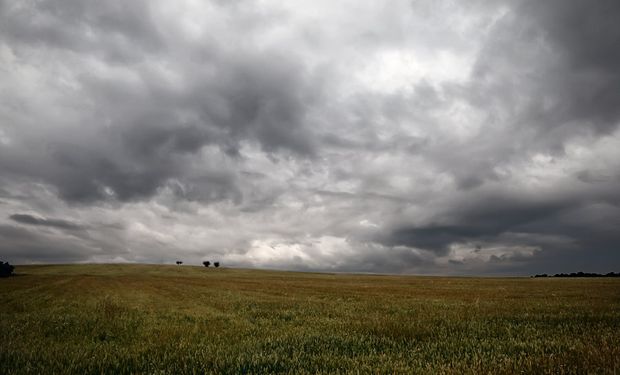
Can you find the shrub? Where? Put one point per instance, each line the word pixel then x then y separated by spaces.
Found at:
pixel 206 263
pixel 216 264
pixel 6 269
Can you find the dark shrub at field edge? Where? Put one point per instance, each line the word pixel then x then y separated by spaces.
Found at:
pixel 581 274
pixel 6 269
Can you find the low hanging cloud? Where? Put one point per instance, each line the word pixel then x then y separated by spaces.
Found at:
pixel 54 223
pixel 407 137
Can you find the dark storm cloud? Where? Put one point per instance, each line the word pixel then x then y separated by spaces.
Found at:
pixel 480 219
pixel 57 240
pixel 388 260
pixel 113 30
pixel 550 72
pixel 416 137
pixel 81 175
pixel 587 35
pixel 579 228
pixel 54 223
pixel 555 63
pixel 547 74
pixel 22 245
pixel 152 141
pixel 264 97
pixel 142 131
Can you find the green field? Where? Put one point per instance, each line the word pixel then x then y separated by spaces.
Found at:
pixel 177 319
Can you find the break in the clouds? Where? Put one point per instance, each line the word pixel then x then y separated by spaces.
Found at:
pixel 438 137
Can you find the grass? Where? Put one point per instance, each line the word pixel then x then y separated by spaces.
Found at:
pixel 171 320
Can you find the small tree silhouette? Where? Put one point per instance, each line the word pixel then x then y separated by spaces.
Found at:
pixel 6 269
pixel 179 262
pixel 216 264
pixel 206 263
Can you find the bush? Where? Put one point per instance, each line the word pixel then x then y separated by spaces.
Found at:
pixel 206 263
pixel 216 264
pixel 6 269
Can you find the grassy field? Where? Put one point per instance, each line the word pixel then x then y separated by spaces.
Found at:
pixel 178 319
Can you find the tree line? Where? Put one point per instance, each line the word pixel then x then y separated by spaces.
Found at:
pixel 581 274
pixel 206 263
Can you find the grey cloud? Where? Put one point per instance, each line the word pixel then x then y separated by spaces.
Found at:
pixel 152 141
pixel 558 59
pixel 388 260
pixel 114 30
pixel 545 75
pixel 566 224
pixel 82 175
pixel 146 156
pixel 265 97
pixel 54 223
pixel 142 132
pixel 45 239
pixel 215 186
pixel 24 246
pixel 435 137
pixel 587 35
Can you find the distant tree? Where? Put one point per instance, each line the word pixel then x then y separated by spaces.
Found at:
pixel 206 263
pixel 179 262
pixel 586 274
pixel 216 264
pixel 6 269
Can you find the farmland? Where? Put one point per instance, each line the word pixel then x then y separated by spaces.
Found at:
pixel 183 319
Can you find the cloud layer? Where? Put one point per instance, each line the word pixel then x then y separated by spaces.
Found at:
pixel 408 137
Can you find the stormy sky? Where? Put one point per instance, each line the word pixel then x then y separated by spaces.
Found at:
pixel 425 137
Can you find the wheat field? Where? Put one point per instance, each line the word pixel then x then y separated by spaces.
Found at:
pixel 154 319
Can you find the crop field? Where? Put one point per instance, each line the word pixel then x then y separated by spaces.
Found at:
pixel 125 319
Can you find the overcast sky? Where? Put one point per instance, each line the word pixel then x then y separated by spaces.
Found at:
pixel 425 137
